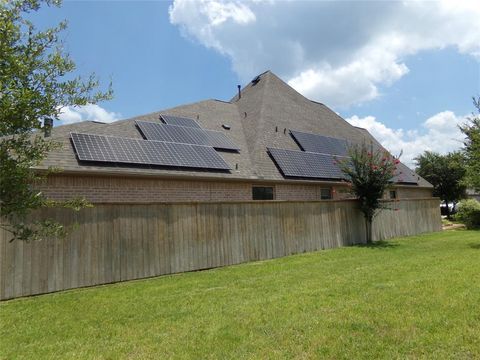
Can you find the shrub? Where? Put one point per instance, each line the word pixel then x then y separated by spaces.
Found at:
pixel 469 213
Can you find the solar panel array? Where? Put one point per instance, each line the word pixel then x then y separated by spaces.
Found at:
pixel 179 121
pixel 317 160
pixel 302 164
pixel 320 144
pixel 185 135
pixel 135 151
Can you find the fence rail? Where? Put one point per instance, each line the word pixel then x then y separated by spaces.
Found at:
pixel 118 242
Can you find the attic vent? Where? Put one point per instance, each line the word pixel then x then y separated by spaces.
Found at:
pixel 226 126
pixel 256 80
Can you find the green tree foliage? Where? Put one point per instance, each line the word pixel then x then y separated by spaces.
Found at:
pixel 472 146
pixel 36 82
pixel 469 213
pixel 370 171
pixel 446 173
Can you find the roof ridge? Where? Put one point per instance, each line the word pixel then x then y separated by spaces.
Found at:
pixel 250 149
pixel 260 113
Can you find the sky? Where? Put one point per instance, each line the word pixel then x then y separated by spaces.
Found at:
pixel 406 71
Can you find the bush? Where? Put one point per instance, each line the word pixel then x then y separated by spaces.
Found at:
pixel 469 213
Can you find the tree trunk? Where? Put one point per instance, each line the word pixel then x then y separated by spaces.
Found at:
pixel 368 230
pixel 447 210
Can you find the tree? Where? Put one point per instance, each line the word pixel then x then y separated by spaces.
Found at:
pixel 35 84
pixel 472 146
pixel 370 171
pixel 446 173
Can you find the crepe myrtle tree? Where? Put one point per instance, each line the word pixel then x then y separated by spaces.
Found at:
pixel 36 82
pixel 369 171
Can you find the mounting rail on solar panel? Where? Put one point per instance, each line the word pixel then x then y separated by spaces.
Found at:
pixel 186 135
pixel 303 164
pixel 179 121
pixel 320 144
pixel 110 149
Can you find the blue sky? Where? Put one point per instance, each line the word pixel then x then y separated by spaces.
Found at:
pixel 405 71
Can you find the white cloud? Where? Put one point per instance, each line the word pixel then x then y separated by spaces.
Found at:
pixel 70 115
pixel 340 52
pixel 440 133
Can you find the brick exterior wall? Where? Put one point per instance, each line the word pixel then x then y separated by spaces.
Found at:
pixel 117 189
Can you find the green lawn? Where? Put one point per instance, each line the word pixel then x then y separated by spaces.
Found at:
pixel 416 297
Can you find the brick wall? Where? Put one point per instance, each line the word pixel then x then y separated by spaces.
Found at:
pixel 116 189
pixel 112 189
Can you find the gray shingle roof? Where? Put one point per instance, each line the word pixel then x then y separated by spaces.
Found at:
pixel 261 118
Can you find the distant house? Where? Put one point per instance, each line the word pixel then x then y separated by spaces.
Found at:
pixel 472 194
pixel 267 143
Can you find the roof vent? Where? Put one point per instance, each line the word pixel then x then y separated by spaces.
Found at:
pixel 47 127
pixel 255 80
pixel 226 126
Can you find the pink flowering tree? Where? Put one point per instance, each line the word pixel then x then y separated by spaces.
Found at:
pixel 369 171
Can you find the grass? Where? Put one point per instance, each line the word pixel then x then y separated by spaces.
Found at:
pixel 415 297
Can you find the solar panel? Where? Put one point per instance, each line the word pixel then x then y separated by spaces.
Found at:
pixel 320 144
pixel 302 164
pixel 405 175
pixel 179 121
pixel 136 151
pixel 185 135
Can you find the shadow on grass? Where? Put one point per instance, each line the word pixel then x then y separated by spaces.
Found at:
pixel 474 246
pixel 380 245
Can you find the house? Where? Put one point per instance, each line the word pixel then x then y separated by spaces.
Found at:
pixel 255 151
pixel 473 194
pixel 174 190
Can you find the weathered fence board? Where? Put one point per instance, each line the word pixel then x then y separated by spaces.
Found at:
pixel 117 242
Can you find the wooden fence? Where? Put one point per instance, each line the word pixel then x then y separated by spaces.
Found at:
pixel 118 242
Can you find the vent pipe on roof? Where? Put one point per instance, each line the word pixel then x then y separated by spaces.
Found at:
pixel 47 127
pixel 239 92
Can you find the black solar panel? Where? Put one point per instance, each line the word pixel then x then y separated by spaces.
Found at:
pixel 302 164
pixel 405 175
pixel 136 151
pixel 185 135
pixel 179 121
pixel 320 144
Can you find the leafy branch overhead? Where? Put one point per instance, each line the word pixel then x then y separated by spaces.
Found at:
pixel 471 129
pixel 36 82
